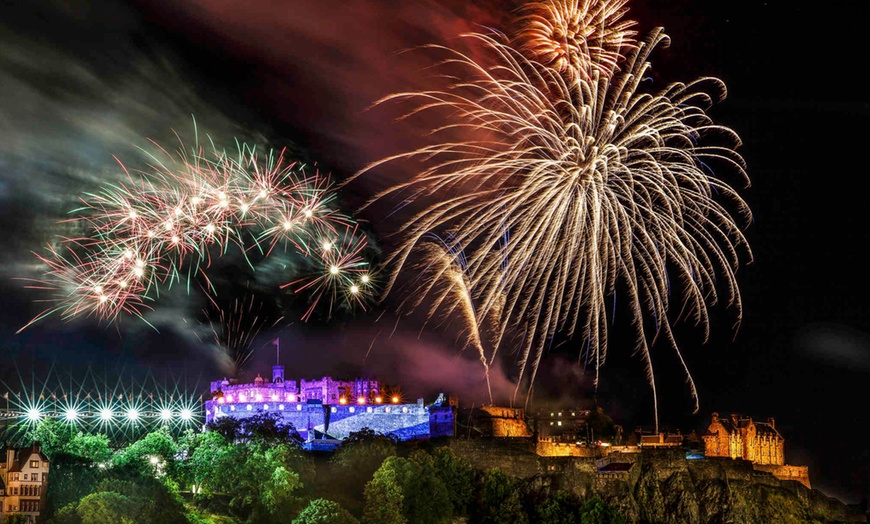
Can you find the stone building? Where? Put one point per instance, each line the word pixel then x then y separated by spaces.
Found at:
pixel 23 480
pixel 329 409
pixel 742 437
pixel 760 443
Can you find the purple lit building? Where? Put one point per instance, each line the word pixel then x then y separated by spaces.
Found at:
pixel 329 409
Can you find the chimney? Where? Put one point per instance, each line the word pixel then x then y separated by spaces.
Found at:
pixel 770 421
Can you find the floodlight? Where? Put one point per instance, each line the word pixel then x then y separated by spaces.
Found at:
pixel 133 414
pixel 71 414
pixel 165 414
pixel 106 414
pixel 33 414
pixel 186 414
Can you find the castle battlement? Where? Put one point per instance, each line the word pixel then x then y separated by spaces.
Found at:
pixel 327 408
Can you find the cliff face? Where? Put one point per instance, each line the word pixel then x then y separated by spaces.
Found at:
pixel 663 487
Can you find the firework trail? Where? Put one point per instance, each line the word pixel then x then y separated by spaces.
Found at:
pixel 602 187
pixel 577 38
pixel 236 326
pixel 167 223
pixel 443 267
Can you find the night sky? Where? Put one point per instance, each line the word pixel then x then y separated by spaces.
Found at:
pixel 81 84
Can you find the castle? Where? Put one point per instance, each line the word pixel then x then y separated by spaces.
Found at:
pixel 328 409
pixel 760 443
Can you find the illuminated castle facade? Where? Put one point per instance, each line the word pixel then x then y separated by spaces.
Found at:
pixel 741 437
pixel 329 409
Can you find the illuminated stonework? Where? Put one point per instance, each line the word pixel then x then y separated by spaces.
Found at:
pixel 328 409
pixel 740 437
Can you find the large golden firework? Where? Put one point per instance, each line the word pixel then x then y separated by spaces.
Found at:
pixel 603 188
pixel 575 37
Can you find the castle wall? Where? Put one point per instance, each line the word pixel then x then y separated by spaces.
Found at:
pixel 785 472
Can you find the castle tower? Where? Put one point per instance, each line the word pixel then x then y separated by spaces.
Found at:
pixel 278 374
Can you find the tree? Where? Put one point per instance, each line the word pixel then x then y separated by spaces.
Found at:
pixel 383 498
pixel 324 511
pixel 424 498
pixel 458 477
pixel 107 507
pixel 16 519
pixel 499 500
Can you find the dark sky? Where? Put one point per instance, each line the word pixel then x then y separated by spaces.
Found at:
pixel 81 83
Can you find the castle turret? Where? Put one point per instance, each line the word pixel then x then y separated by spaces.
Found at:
pixel 278 374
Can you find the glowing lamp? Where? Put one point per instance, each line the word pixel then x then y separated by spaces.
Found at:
pixel 33 414
pixel 71 414
pixel 342 400
pixel 221 400
pixel 291 397
pixel 106 414
pixel 395 400
pixel 133 414
pixel 186 414
pixel 165 414
pixel 154 460
pixel 229 398
pixel 361 400
pixel 378 400
pixel 259 398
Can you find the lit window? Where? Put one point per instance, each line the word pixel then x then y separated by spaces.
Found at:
pixel 551 422
pixel 573 414
pixel 560 413
pixel 266 407
pixel 248 407
pixel 232 408
pixel 281 407
pixel 334 409
pixel 351 409
pixel 34 463
pixel 298 407
pixel 387 409
pixel 560 422
pixel 368 409
pixel 404 409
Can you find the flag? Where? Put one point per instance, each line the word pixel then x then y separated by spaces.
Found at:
pixel 275 342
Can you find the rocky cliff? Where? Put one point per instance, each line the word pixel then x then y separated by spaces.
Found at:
pixel 664 487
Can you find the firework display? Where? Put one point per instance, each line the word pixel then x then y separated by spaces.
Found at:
pixel 603 182
pixel 166 224
pixel 578 38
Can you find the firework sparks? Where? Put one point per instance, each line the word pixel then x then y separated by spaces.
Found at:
pixel 443 270
pixel 139 236
pixel 599 185
pixel 575 37
pixel 235 327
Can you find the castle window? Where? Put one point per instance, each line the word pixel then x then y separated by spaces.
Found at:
pixel 352 409
pixel 387 409
pixel 298 407
pixel 266 407
pixel 232 408
pixel 34 463
pixel 404 410
pixel 369 409
pixel 281 407
pixel 334 409
pixel 248 407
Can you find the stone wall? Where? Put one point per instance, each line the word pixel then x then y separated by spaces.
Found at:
pixel 785 472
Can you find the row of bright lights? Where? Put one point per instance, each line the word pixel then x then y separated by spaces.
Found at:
pixel 292 398
pixel 106 415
